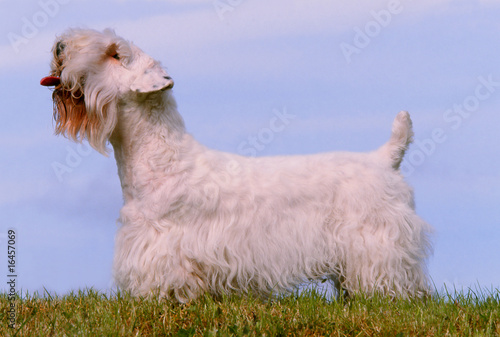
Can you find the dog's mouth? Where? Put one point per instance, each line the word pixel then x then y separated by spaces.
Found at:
pixel 54 81
pixel 50 81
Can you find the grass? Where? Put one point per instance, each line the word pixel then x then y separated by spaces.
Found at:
pixel 91 313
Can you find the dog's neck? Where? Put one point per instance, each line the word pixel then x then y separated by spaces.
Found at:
pixel 147 138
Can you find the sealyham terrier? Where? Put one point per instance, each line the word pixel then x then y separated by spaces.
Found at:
pixel 199 221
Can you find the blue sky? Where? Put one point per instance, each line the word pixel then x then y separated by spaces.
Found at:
pixel 343 69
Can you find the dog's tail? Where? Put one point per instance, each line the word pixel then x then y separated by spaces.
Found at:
pixel 401 137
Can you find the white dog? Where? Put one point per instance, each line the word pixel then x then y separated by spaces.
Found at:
pixel 196 220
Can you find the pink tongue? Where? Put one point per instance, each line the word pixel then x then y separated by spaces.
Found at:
pixel 50 81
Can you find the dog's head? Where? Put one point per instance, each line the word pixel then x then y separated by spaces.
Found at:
pixel 91 73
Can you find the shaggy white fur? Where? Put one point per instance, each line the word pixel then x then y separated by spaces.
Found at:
pixel 196 220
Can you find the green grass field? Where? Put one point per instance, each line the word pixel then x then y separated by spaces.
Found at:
pixel 90 313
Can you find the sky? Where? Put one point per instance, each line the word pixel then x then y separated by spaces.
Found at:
pixel 342 69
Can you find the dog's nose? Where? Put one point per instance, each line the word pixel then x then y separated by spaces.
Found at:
pixel 171 84
pixel 60 48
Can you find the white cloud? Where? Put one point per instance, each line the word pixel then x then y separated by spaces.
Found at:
pixel 29 52
pixel 186 1
pixel 182 2
pixel 489 2
pixel 260 19
pixel 204 27
pixel 199 37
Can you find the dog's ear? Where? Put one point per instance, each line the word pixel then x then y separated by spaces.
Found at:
pixel 152 80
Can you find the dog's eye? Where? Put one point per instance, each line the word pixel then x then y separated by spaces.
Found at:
pixel 116 56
